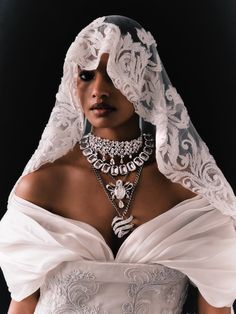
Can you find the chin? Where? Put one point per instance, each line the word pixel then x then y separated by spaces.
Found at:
pixel 113 120
pixel 102 124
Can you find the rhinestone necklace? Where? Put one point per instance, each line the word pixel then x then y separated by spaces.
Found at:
pixel 92 146
pixel 114 148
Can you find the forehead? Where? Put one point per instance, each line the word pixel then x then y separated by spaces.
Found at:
pixel 103 60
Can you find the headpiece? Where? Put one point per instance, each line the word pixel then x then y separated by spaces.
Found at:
pixel 135 68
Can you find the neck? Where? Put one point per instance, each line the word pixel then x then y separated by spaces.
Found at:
pixel 126 132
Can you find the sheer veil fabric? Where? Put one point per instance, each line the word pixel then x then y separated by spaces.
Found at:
pixel 206 222
pixel 135 68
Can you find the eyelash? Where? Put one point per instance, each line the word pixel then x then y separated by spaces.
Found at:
pixel 86 75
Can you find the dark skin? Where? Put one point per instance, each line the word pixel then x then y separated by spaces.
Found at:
pixel 65 186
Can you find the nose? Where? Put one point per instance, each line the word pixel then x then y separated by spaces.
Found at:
pixel 100 88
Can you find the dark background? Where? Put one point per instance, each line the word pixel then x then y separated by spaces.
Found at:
pixel 196 42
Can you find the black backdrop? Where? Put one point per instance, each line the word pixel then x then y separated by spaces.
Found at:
pixel 196 42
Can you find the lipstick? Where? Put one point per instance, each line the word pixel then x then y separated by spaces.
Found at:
pixel 102 109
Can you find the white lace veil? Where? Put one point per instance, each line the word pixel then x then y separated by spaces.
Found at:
pixel 137 71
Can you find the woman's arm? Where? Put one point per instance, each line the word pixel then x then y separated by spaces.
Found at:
pixel 26 306
pixel 206 308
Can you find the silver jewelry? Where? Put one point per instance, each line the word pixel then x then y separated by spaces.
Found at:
pixel 91 153
pixel 120 190
pixel 114 148
pixel 121 225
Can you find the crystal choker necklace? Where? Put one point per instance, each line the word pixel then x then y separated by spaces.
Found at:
pixel 114 148
pixel 93 146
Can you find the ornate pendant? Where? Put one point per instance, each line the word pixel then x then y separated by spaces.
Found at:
pixel 122 226
pixel 119 190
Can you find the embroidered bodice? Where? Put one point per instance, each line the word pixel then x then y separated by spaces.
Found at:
pixel 117 288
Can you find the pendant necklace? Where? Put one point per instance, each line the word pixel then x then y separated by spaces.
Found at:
pixel 97 150
pixel 121 224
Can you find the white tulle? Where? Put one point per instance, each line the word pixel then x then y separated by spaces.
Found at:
pixel 136 70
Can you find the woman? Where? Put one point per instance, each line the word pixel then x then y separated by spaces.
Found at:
pixel 121 217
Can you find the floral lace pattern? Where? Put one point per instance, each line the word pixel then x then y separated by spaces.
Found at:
pixel 68 294
pixel 163 285
pixel 186 159
pixel 96 291
pixel 136 70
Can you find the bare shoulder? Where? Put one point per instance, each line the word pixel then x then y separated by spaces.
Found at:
pixel 43 185
pixel 181 193
pixel 32 186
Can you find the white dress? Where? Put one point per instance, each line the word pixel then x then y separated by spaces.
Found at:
pixel 98 287
pixel 77 272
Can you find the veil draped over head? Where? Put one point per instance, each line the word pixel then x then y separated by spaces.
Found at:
pixel 135 68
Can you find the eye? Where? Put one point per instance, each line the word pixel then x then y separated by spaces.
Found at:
pixel 86 75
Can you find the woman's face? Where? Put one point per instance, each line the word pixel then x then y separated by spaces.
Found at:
pixel 104 105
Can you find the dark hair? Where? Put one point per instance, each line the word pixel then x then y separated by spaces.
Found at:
pixel 125 24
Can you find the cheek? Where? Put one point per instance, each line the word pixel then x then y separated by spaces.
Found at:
pixel 128 106
pixel 131 108
pixel 82 95
pixel 123 101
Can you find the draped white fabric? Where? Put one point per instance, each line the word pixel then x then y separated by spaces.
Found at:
pixel 196 237
pixel 192 237
pixel 135 68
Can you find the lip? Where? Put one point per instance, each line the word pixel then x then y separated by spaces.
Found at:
pixel 102 106
pixel 102 109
